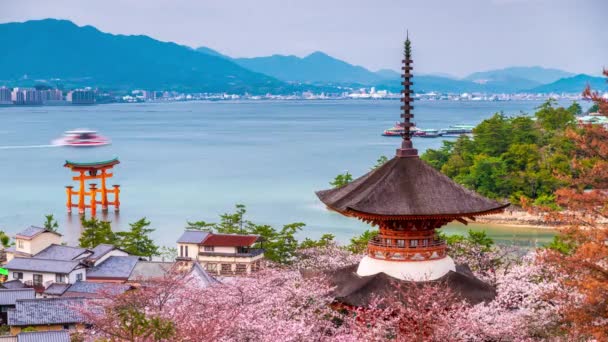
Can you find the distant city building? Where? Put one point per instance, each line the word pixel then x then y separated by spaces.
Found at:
pixel 5 96
pixel 18 96
pixel 81 96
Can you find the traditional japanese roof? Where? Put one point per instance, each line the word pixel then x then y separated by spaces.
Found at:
pixel 45 311
pixel 355 290
pixel 90 289
pixel 12 249
pixel 407 188
pixel 33 231
pixel 193 236
pixel 44 336
pixel 42 265
pixel 56 289
pixel 12 284
pixel 100 250
pixel 201 276
pixel 230 240
pixel 10 296
pixel 114 267
pixel 90 165
pixel 146 270
pixel 61 252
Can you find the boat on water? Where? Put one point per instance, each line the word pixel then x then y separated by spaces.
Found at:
pixel 82 138
pixel 398 130
pixel 457 130
pixel 428 133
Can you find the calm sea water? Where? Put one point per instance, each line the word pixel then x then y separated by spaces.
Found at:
pixel 195 160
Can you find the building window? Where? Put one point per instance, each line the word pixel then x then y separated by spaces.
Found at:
pixel 226 269
pixel 186 251
pixel 208 248
pixel 413 243
pixel 241 268
pixel 59 278
pixel 401 243
pixel 37 279
pixel 79 277
pixel 211 268
pixel 181 251
pixel 17 275
pixel 20 243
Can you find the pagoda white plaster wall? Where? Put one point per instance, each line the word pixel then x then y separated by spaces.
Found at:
pixel 407 270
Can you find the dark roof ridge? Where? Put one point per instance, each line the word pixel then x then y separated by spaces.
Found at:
pixel 50 299
pixel 19 289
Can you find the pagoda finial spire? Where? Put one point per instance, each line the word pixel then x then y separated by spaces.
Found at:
pixel 407 149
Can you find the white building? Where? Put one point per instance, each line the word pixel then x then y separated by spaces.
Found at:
pixel 221 254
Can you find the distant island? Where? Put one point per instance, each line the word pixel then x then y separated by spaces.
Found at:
pixel 61 55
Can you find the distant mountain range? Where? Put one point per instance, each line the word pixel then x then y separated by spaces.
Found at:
pixel 60 52
pixel 320 68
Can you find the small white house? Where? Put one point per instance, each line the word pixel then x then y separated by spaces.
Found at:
pixel 31 241
pixel 41 273
pixel 221 254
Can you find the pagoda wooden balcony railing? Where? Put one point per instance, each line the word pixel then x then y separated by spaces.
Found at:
pixel 412 248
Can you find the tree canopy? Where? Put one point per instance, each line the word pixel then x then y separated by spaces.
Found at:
pixel 512 158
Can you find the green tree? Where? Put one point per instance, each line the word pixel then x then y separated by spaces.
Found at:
pixel 279 245
pixel 438 158
pixel 324 241
pixel 96 232
pixel 50 223
pixel 341 180
pixel 200 225
pixel 167 253
pixel 381 161
pixel 137 240
pixel 575 108
pixel 594 109
pixel 5 240
pixel 493 136
pixel 554 119
pixel 358 244
pixel 488 176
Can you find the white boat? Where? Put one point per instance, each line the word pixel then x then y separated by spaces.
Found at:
pixel 82 138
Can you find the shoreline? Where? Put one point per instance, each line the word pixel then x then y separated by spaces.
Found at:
pixel 518 218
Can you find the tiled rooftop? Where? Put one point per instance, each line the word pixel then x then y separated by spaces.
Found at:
pixel 114 267
pixel 12 284
pixel 33 231
pixel 61 252
pixel 86 287
pixel 56 289
pixel 45 311
pixel 201 277
pixel 146 270
pixel 10 296
pixel 41 265
pixel 44 336
pixel 101 250
pixel 193 236
pixel 230 240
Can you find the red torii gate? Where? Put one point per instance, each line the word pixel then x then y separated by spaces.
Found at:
pixel 92 171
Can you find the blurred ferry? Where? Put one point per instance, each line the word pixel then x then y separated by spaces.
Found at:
pixel 456 130
pixel 82 138
pixel 398 130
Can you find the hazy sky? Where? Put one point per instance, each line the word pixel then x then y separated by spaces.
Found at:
pixel 449 36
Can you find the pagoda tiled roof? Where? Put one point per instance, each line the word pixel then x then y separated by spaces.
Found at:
pixel 407 188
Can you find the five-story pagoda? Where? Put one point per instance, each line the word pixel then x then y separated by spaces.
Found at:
pixel 407 200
